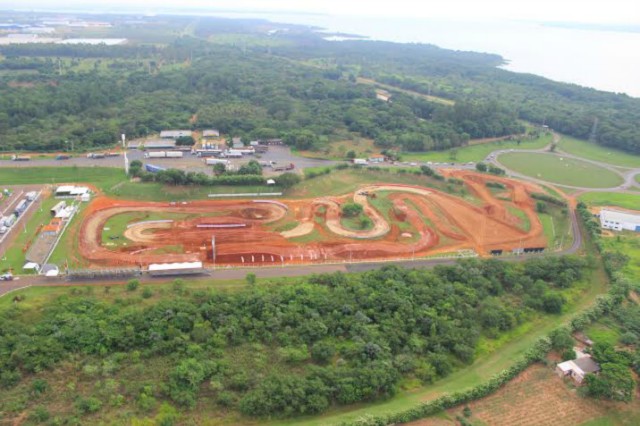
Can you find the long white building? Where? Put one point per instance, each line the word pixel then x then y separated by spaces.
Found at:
pixel 619 221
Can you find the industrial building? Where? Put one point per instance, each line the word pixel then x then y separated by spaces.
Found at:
pixel 153 144
pixel 174 134
pixel 70 191
pixel 619 221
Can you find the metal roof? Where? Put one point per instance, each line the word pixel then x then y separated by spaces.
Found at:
pixel 618 216
pixel 587 365
pixel 174 266
pixel 160 143
pixel 174 133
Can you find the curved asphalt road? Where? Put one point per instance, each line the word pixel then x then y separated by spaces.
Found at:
pixel 628 175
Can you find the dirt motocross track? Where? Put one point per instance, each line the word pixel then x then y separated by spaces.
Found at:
pixel 247 231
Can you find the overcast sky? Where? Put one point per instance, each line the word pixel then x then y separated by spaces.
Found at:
pixel 594 11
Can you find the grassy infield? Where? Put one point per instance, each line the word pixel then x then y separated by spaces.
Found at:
pixel 492 355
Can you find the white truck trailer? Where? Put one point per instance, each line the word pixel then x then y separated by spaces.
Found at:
pixel 213 161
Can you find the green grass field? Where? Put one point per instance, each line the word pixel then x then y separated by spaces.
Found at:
pixel 626 242
pixel 114 183
pixel 102 177
pixel 340 182
pixel 563 171
pixel 525 223
pixel 592 151
pixel 159 192
pixel 67 248
pixel 475 153
pixel 624 200
pixel 557 228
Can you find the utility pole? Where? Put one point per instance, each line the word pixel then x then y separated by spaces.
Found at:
pixel 594 130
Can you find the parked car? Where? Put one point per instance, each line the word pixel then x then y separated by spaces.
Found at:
pixel 6 277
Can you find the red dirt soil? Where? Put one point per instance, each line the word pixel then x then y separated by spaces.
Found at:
pixel 440 223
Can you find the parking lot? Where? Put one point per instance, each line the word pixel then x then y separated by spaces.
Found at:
pixel 189 162
pixel 7 204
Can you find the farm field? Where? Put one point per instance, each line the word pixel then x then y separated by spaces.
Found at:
pixel 624 200
pixel 591 151
pixel 537 396
pixel 559 170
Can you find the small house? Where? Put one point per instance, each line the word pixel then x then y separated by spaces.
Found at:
pixel 271 182
pixel 578 368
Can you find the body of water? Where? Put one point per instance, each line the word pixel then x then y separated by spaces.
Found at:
pixel 605 60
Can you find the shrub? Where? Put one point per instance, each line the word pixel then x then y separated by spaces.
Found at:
pixel 133 285
pixel 147 293
pixel 351 209
pixel 39 386
pixel 9 378
pixel 629 338
pixel 39 415
pixel 88 405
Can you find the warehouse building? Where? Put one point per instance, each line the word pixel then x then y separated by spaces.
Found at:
pixel 174 134
pixel 70 191
pixel 619 221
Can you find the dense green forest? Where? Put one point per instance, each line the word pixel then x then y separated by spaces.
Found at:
pixel 284 350
pixel 254 95
pixel 292 85
pixel 463 76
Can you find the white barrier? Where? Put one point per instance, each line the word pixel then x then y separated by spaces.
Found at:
pixel 247 194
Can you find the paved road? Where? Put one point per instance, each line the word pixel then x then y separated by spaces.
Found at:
pixel 626 173
pixel 279 154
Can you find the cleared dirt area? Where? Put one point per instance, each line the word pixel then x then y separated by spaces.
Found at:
pixel 536 397
pixel 432 222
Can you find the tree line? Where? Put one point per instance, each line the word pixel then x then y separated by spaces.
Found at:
pixel 331 340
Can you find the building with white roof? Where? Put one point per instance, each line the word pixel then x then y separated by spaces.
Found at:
pixel 183 268
pixel 619 221
pixel 174 134
pixel 71 191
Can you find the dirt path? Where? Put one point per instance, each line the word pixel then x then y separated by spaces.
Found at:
pixel 438 223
